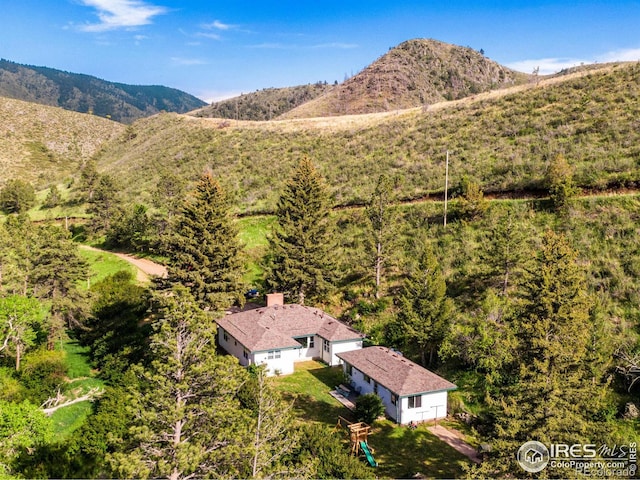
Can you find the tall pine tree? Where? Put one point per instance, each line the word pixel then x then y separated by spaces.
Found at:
pixel 187 420
pixel 204 250
pixel 301 244
pixel 381 224
pixel 424 310
pixel 555 398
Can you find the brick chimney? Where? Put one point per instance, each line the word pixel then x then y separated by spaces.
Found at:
pixel 275 299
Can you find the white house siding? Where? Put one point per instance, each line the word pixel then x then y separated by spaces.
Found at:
pixel 308 353
pixel 362 387
pixel 339 347
pixel 233 347
pixel 385 396
pixel 280 366
pixel 358 381
pixel 432 404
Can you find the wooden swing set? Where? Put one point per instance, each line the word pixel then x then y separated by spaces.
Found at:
pixel 358 432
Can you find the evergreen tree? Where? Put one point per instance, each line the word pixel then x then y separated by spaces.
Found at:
pixel 130 229
pixel 301 264
pixel 323 447
pixel 187 419
pixel 104 203
pixel 559 178
pixel 53 197
pixel 507 250
pixel 204 250
pixel 89 179
pixel 555 398
pixel 382 223
pixel 17 196
pixel 56 272
pixel 484 340
pixel 471 205
pixel 424 310
pixel 169 193
pixel 272 426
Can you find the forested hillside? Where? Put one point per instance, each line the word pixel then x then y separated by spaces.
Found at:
pixel 265 104
pixel 87 94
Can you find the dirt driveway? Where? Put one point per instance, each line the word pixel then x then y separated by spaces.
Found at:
pixel 145 268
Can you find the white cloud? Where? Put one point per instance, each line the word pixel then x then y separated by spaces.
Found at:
pixel 626 55
pixel 554 65
pixel 211 96
pixel 269 45
pixel 114 14
pixel 218 25
pixel 213 36
pixel 186 62
pixel 546 65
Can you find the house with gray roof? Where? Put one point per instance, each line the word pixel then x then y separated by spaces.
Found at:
pixel 280 335
pixel 409 392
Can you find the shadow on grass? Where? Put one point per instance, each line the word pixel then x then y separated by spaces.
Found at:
pixel 309 387
pixel 312 410
pixel 402 453
pixel 330 376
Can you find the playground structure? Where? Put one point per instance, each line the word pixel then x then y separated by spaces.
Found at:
pixel 358 435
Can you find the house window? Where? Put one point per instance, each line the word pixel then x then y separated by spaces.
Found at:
pixel 366 378
pixel 375 387
pixel 325 345
pixel 271 354
pixel 348 369
pixel 415 401
pixel 245 354
pixel 307 342
pixel 394 399
pixel 225 336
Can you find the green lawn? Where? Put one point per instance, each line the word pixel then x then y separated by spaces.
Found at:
pixel 103 264
pixel 253 233
pixel 68 419
pixel 80 381
pixel 401 452
pixel 309 388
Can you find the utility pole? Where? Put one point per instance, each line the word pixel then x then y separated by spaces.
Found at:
pixel 446 187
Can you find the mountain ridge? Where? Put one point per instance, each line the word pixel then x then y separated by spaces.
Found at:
pixel 415 73
pixel 88 94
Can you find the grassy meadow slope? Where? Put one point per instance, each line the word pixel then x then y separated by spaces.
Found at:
pixel 45 144
pixel 416 72
pixel 502 138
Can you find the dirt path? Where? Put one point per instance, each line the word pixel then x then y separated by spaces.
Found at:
pixel 145 268
pixel 456 440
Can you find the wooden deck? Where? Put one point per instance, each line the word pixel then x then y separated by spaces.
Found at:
pixel 347 401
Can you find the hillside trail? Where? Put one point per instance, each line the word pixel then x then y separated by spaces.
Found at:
pixel 145 268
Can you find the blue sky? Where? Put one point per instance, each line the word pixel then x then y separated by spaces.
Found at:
pixel 215 49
